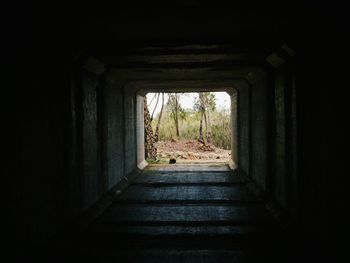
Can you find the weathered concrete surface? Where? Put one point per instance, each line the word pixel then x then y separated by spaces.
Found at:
pixel 113 96
pixel 280 180
pixel 90 154
pixel 188 192
pixel 42 121
pixel 294 182
pixel 144 220
pixel 244 129
pixel 234 127
pixel 130 154
pixel 206 167
pixel 169 177
pixel 140 131
pixel 259 128
pixel 223 230
pixel 180 214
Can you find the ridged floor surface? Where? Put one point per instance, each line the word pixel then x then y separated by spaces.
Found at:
pixel 183 213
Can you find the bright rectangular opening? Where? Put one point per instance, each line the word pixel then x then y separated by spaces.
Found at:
pixel 190 127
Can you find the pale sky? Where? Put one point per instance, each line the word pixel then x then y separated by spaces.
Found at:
pixel 187 100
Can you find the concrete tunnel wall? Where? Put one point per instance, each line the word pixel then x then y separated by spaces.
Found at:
pixel 116 136
pixel 104 130
pixel 103 143
pixel 130 131
pixel 89 139
pixel 244 130
pixel 285 181
pixel 114 143
pixel 109 129
pixel 43 125
pixel 259 127
pixel 268 134
pixel 252 132
pixel 234 128
pixel 104 134
pixel 253 128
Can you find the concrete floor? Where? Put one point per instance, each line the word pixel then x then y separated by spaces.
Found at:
pixel 183 213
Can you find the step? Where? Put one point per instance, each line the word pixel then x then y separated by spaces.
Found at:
pixel 186 178
pixel 187 193
pixel 184 214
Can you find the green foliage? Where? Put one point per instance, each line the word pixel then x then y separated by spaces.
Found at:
pixel 152 161
pixel 189 127
pixel 173 105
pixel 221 130
pixel 176 111
pixel 208 101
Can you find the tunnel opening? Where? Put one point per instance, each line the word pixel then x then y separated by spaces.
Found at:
pixel 195 126
pixel 191 127
pixel 71 109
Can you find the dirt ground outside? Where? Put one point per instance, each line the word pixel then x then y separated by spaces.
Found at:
pixel 191 151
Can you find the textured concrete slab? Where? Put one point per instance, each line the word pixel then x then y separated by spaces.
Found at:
pixel 187 231
pixel 208 167
pixel 186 193
pixel 174 255
pixel 186 178
pixel 184 214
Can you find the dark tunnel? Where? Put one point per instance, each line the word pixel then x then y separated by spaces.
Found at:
pixel 77 186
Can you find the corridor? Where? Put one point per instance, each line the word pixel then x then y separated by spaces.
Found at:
pixel 76 180
pixel 183 213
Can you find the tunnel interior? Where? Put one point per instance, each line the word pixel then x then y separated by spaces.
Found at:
pixel 263 99
pixel 74 136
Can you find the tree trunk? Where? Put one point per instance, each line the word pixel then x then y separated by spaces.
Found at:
pixel 206 126
pixel 176 118
pixel 201 128
pixel 209 127
pixel 202 109
pixel 150 149
pixel 156 135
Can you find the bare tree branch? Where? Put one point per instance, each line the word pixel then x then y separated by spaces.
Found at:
pixel 152 100
pixel 155 106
